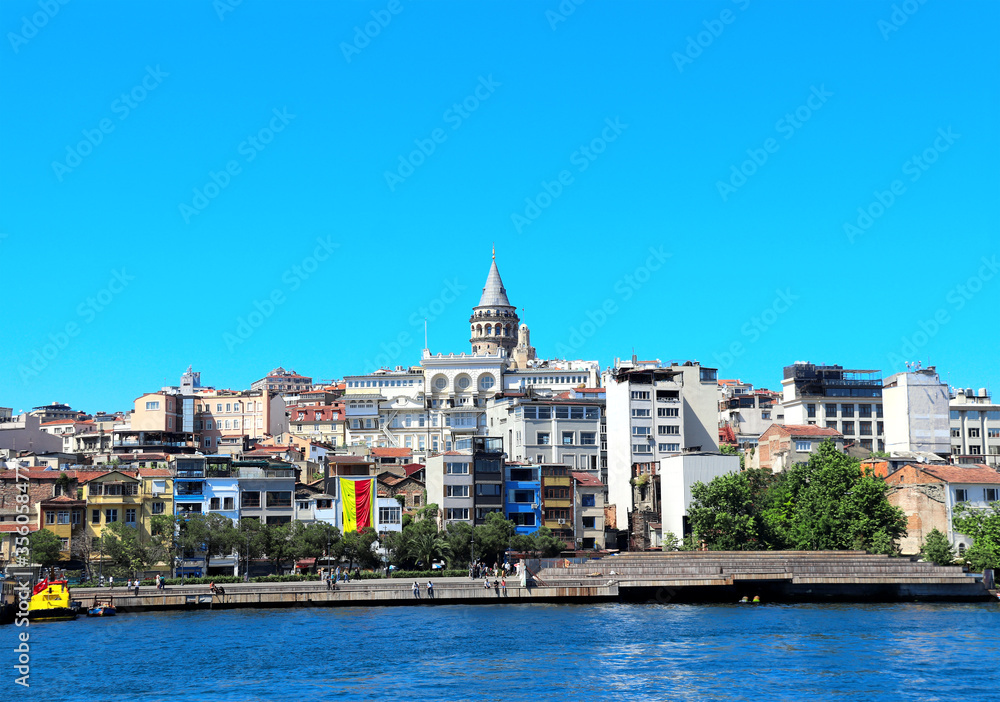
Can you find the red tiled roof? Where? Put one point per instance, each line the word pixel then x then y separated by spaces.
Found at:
pixel 587 480
pixel 412 468
pixel 803 430
pixel 957 474
pixel 62 498
pixel 155 472
pixel 578 390
pixel 392 452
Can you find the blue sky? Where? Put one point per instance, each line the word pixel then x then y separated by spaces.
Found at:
pixel 244 186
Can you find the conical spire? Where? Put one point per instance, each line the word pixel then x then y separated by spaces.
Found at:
pixel 494 294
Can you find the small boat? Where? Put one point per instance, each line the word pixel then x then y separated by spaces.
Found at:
pixel 50 602
pixel 103 607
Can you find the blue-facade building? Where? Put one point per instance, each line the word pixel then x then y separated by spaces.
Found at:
pixel 522 497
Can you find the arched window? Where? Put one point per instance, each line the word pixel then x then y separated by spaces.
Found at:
pixel 499 330
pixel 506 331
pixel 479 329
pixel 489 329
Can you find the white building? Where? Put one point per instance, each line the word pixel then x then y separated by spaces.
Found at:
pixel 745 413
pixel 847 400
pixel 678 474
pixel 975 428
pixel 450 486
pixel 916 412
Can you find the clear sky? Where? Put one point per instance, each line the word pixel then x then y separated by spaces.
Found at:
pixel 242 186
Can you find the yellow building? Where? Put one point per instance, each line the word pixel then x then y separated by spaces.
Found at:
pixel 61 515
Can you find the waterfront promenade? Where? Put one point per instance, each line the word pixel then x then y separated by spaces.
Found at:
pixel 710 576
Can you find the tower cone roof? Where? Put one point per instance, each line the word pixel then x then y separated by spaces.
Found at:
pixel 494 294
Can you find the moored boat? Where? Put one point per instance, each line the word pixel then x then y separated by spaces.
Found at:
pixel 50 602
pixel 103 607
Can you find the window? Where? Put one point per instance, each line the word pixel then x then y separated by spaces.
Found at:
pixel 810 410
pixel 637 412
pixel 152 406
pixel 390 515
pixel 880 428
pixel 110 515
pixel 488 489
pixel 250 499
pixel 961 495
pixel 641 448
pixel 562 412
pixel 130 516
pixel 992 433
pixel 864 410
pixel 50 517
pixel 530 413
pixel 76 517
pixel 590 522
pixel 587 500
pixel 592 412
pixel 588 438
pixel 545 412
pixel 708 375
pixel 158 508
pixel 543 438
pixel 640 394
pixel 95 516
pixel 456 491
pixel 456 513
pixel 522 518
pixel 765 415
pixel 973 432
pixel 229 503
pixel 865 428
pixel 641 431
pixel 214 503
pixel 567 438
pixel 667 412
pixel 991 494
pixel 831 409
pixel 848 429
pixel 456 468
pixel 956 433
pixel 804 446
pixel 831 425
pixel 668 429
pixel 847 410
pixel 280 498
pixel 974 449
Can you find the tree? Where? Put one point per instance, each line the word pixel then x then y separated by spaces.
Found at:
pixel 983 526
pixel 278 544
pixel 82 547
pixel 429 547
pixel 546 544
pixel 730 450
pixel 211 534
pixel 358 548
pixel 728 511
pixel 937 549
pixel 459 536
pixel 44 547
pixel 670 541
pixel 493 537
pixel 127 554
pixel 250 541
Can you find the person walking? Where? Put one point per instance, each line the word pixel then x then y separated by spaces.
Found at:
pixel 430 589
pixel 416 589
pixel 136 586
pixel 111 582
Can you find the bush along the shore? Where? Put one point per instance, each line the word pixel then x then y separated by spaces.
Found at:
pixel 422 574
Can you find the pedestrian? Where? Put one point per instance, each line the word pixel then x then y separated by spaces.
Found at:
pixel 416 589
pixel 128 584
pixel 430 589
pixel 111 582
pixel 336 576
pixel 136 586
pixel 486 583
pixel 503 586
pixel 329 584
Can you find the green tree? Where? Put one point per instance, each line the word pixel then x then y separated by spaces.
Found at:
pixel 983 526
pixel 728 511
pixel 670 541
pixel 937 549
pixel 547 545
pixel 127 554
pixel 278 544
pixel 44 547
pixel 211 534
pixel 493 537
pixel 250 541
pixel 459 536
pixel 429 548
pixel 358 548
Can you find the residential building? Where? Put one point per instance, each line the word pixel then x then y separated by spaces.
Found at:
pixel 546 428
pixel 266 490
pixel 916 412
pixel 24 433
pixel 407 490
pixel 588 511
pixel 318 422
pixel 114 496
pixel 282 382
pixel 229 421
pixel 154 425
pixel 392 458
pixel 927 494
pixel 62 515
pixel 56 411
pixel 313 504
pixel 388 515
pixel 975 428
pixel 558 513
pixel 522 496
pixel 784 445
pixel 677 474
pixel 488 476
pixel 745 413
pixel 847 400
pixel 450 485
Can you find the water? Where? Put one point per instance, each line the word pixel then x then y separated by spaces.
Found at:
pixel 515 652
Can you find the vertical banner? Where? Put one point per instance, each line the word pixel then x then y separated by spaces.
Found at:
pixel 358 500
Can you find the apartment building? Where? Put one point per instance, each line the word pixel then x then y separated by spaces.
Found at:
pixel 318 422
pixel 558 513
pixel 916 412
pixel 522 496
pixel 784 445
pixel 974 421
pixel 451 486
pixel 588 511
pixel 282 382
pixel 745 413
pixel 847 400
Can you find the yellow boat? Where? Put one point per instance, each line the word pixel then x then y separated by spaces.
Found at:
pixel 50 602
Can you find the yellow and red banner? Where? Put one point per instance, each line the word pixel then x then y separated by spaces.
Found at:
pixel 358 500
